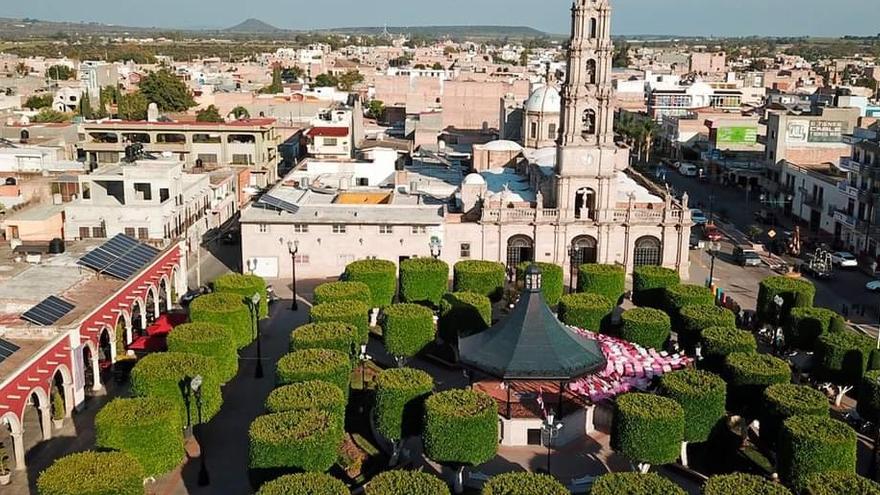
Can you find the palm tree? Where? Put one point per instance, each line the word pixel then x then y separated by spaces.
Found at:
pixel 240 112
pixel 649 129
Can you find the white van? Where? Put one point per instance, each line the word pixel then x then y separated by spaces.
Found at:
pixel 688 170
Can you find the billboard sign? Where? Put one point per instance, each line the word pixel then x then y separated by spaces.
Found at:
pixel 826 131
pixel 736 135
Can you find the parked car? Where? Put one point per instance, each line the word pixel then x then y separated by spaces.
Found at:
pixel 711 233
pixel 698 216
pixel 192 294
pixel 844 259
pixel 873 286
pixel 746 256
pixel 696 241
pixel 765 217
pixel 689 170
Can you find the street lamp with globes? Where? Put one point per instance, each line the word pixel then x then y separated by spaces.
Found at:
pixel 253 304
pixel 196 386
pixel 293 248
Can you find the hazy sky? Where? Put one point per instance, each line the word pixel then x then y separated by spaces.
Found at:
pixel 684 17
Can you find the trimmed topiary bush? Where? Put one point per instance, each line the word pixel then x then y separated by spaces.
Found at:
pixel 480 277
pixel 748 374
pixel 694 319
pixel 552 282
pixel 228 310
pixel 307 440
pixel 93 473
pixel 634 484
pixel 720 342
pixel 702 396
pixel 844 357
pixel 784 400
pixel 398 482
pixel 676 297
pixel 334 335
pixel 423 281
pixel 805 325
pixel 163 374
pixel 354 313
pixel 244 286
pixel 605 280
pixel 650 283
pixel 407 329
pixel 463 313
pixel 315 364
pixel 400 401
pixel 814 444
pixel 586 310
pixel 379 275
pixel 461 427
pixel 524 484
pixel 304 484
pixel 839 482
pixel 312 394
pixel 212 340
pixel 795 292
pixel 647 428
pixel 742 484
pixel 343 291
pixel 868 405
pixel 647 327
pixel 148 428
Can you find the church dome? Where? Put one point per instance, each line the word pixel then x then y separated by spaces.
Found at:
pixel 545 99
pixel 475 179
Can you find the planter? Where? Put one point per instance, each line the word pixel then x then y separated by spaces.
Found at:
pixel 6 478
pixel 59 423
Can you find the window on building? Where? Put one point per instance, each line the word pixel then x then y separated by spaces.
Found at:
pixel 84 233
pixel 143 191
pixel 551 131
pixel 465 251
pixel 242 139
pixel 533 130
pixel 98 232
pixel 104 137
pixel 419 229
pixel 143 233
pixel 208 158
pixel 108 157
pixel 164 194
pixel 362 181
pixel 338 228
pixel 171 138
pixel 130 231
pixel 330 141
pixel 264 228
pixel 86 190
pixel 300 228
pixel 386 229
pixel 242 159
pixel 206 138
pixel 136 137
pixel 301 259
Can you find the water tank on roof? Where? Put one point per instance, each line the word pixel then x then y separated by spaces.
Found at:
pixel 56 246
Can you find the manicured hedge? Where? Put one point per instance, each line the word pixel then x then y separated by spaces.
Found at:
pixel 814 444
pixel 343 291
pixel 676 297
pixel 304 484
pixel 784 400
pixel 244 286
pixel 524 484
pixel 423 280
pixel 93 473
pixel 647 327
pixel 312 394
pixel 647 428
pixel 161 375
pixel 634 484
pixel 702 396
pixel 461 427
pixel 795 292
pixel 398 482
pixel 354 313
pixel 805 325
pixel 407 329
pixel 480 277
pixel 747 375
pixel 379 275
pixel 743 484
pixel 552 282
pixel 839 483
pixel 226 309
pixel 720 342
pixel 400 401
pixel 213 340
pixel 334 335
pixel 605 280
pixel 869 396
pixel 844 357
pixel 463 313
pixel 586 310
pixel 693 319
pixel 315 364
pixel 148 428
pixel 307 440
pixel 650 283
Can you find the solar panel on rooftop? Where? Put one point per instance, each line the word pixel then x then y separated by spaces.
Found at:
pixel 120 257
pixel 48 311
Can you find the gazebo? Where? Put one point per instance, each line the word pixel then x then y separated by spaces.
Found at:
pixel 526 352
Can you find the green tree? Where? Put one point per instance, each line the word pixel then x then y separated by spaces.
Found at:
pixel 276 86
pixel 210 114
pixel 132 106
pixel 37 102
pixel 240 112
pixel 59 73
pixel 47 115
pixel 437 66
pixel 167 91
pixel 376 109
pixel 326 81
pixel 292 74
pixel 349 80
pixel 85 106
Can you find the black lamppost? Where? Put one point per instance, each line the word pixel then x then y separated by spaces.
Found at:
pixel 196 385
pixel 293 248
pixel 552 429
pixel 184 386
pixel 777 332
pixel 572 252
pixel 435 246
pixel 253 304
pixel 363 357
pixel 713 249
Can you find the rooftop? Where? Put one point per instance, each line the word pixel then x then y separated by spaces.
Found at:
pixel 232 124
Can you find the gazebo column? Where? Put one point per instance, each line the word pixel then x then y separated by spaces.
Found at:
pixel 590 421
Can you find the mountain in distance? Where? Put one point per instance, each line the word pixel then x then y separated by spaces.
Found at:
pixel 253 26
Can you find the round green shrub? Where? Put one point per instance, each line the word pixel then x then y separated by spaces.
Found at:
pixel 634 484
pixel 213 340
pixel 585 310
pixel 742 484
pixel 304 484
pixel 244 286
pixel 694 319
pixel 379 275
pixel 795 292
pixel 647 327
pixel 814 444
pixel 315 364
pixel 524 484
pixel 400 401
pixel 844 357
pixel 719 342
pixel 605 280
pixel 480 277
pixel 354 313
pixel 93 473
pixel 839 483
pixel 784 400
pixel 398 482
pixel 678 296
pixel 748 374
pixel 647 428
pixel 163 374
pixel 312 394
pixel 334 335
pixel 650 283
pixel 343 291
pixel 702 396
pixel 461 427
pixel 552 280
pixel 868 405
pixel 307 440
pixel 423 280
pixel 225 309
pixel 148 428
pixel 805 325
pixel 463 313
pixel 407 329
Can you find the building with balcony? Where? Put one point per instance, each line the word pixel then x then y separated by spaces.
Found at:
pixel 686 100
pixel 857 220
